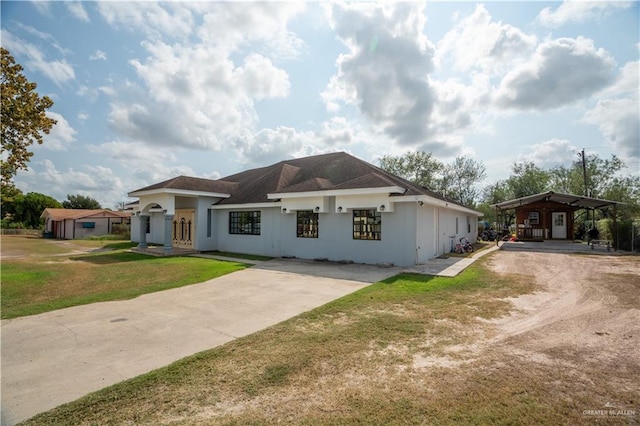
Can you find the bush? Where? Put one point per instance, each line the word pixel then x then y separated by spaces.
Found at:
pixel 628 231
pixel 123 230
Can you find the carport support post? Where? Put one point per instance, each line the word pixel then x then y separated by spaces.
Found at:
pixel 615 226
pixel 142 240
pixel 168 246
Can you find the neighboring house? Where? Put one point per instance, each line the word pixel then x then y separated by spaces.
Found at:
pixel 331 206
pixel 72 224
pixel 550 215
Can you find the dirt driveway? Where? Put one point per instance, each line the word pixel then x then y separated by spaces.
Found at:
pixel 580 330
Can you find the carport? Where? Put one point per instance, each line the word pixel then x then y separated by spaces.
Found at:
pixel 550 215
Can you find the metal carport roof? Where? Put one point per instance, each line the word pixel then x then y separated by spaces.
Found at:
pixel 568 199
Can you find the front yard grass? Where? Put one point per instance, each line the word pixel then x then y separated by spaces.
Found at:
pixel 381 355
pixel 32 285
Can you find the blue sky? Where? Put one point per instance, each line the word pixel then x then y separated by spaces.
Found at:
pixel 146 91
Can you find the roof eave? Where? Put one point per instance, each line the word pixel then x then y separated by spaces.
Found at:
pixel 244 206
pixel 337 192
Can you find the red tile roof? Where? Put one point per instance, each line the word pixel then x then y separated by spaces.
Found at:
pixel 62 214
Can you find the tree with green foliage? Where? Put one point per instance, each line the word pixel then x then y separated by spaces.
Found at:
pixel 460 178
pixel 602 175
pixel 527 179
pixel 416 167
pixel 28 208
pixel 457 181
pixel 80 202
pixel 24 119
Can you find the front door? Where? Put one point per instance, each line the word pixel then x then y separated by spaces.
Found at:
pixel 183 229
pixel 559 227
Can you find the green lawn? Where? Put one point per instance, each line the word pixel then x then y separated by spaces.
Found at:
pixel 412 349
pixel 356 360
pixel 49 281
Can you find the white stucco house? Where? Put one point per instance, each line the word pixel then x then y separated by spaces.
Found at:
pixel 332 206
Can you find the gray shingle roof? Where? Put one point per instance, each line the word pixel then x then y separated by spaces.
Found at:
pixel 192 184
pixel 316 173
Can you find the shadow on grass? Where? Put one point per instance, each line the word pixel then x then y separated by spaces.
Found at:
pixel 404 276
pixel 120 245
pixel 109 258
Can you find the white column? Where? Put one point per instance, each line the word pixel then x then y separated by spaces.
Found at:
pixel 142 240
pixel 168 245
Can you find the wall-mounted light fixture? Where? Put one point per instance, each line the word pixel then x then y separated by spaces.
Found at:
pixel 339 209
pixel 421 203
pixel 382 208
pixel 317 209
pixel 284 210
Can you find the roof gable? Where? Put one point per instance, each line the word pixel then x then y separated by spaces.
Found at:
pixel 189 183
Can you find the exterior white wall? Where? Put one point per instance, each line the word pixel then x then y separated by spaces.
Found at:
pixel 426 233
pixel 205 241
pixel 156 226
pixel 335 237
pixel 449 230
pixel 267 243
pixel 67 229
pixel 411 233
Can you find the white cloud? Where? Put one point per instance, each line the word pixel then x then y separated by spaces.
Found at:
pixel 154 19
pixel 98 55
pixel 619 122
pixel 77 10
pixel 459 108
pixel 478 42
pixel 136 158
pixel 579 11
pixel 60 136
pixel 561 72
pixel 628 81
pixel 83 115
pixel 617 113
pixel 272 145
pixel 98 182
pixel 259 78
pixel 58 71
pixel 263 25
pixel 199 91
pixel 551 153
pixel 43 7
pixel 385 72
pixel 133 155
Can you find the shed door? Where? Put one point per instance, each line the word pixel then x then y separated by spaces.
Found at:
pixel 559 227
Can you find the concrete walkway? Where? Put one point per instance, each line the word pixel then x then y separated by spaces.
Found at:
pixel 449 266
pixel 57 357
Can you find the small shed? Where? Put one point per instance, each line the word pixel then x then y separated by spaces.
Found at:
pixel 72 224
pixel 549 215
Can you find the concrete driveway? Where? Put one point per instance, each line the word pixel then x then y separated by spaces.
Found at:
pixel 59 356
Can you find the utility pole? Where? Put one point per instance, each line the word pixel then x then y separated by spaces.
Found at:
pixel 586 189
pixel 584 172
